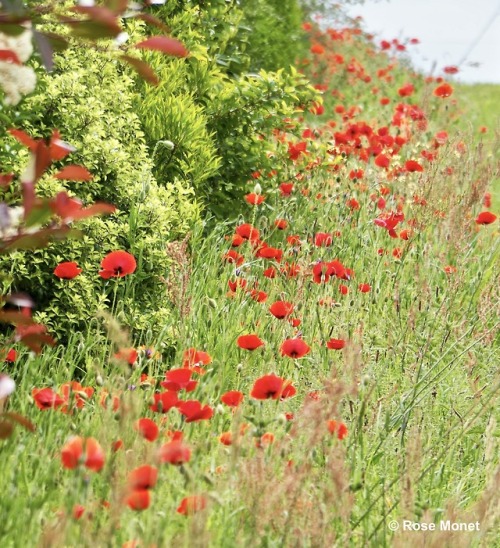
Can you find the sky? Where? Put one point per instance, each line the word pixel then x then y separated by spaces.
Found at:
pixel 447 29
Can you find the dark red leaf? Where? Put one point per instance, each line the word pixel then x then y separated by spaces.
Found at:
pixel 6 429
pixel 15 318
pixel 165 44
pixel 43 159
pixel 95 209
pixel 152 20
pixel 23 138
pixel 6 179
pixel 19 419
pixel 142 68
pixel 74 173
pixel 36 340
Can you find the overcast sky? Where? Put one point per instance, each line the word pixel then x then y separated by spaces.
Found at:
pixel 446 29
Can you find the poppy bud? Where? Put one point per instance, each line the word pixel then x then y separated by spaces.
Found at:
pixel 257 188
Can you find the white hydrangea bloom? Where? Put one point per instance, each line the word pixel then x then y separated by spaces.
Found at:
pixel 17 80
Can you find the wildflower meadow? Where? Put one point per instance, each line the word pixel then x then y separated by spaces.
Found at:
pixel 249 260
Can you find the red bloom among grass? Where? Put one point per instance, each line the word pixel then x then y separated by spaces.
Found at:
pixel 77 450
pixel 164 401
pixel 272 387
pixel 323 239
pixel 117 264
pixel 174 452
pixel 338 428
pixel 144 477
pixel 147 428
pixel 247 232
pixel 254 199
pixel 46 398
pixel 194 358
pixel 295 348
pixel 138 500
pixel 382 161
pixel 233 398
pixel 67 271
pixel 412 166
pixel 335 344
pixel 443 91
pixel 486 218
pixel 179 379
pixel 364 288
pixel 192 504
pixel 194 411
pixel 249 342
pixel 281 309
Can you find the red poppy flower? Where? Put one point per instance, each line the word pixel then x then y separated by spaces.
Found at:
pixel 164 401
pixel 487 199
pixel 317 49
pixel 179 379
pixel 234 284
pixel 295 150
pixel 117 264
pixel 128 355
pixel 270 273
pixel 77 393
pixel 78 511
pixel 254 199
pixel 67 271
pixel 249 342
pixel 74 452
pixel 412 166
pixel 281 224
pixel 335 344
pixel 353 204
pixel 323 239
pixel 247 232
pixel 143 477
pixel 226 438
pixel 192 504
pixel 486 218
pixel 237 240
pixel 343 289
pixel 281 309
pixel 268 252
pixel 406 90
pixel 443 91
pixel 147 428
pixel 233 257
pixel 286 189
pixel 193 357
pixel 46 398
pixel 139 499
pixel 364 288
pixel 272 387
pixel 233 398
pixel 11 356
pixel 382 161
pixel 295 348
pixel 337 427
pixel 194 411
pixel 174 452
pixel 259 296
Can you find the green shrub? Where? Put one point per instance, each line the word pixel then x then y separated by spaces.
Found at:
pixel 91 100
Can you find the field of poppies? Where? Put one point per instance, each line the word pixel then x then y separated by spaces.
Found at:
pixel 325 368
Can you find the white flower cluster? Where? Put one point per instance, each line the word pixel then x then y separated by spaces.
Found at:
pixel 16 80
